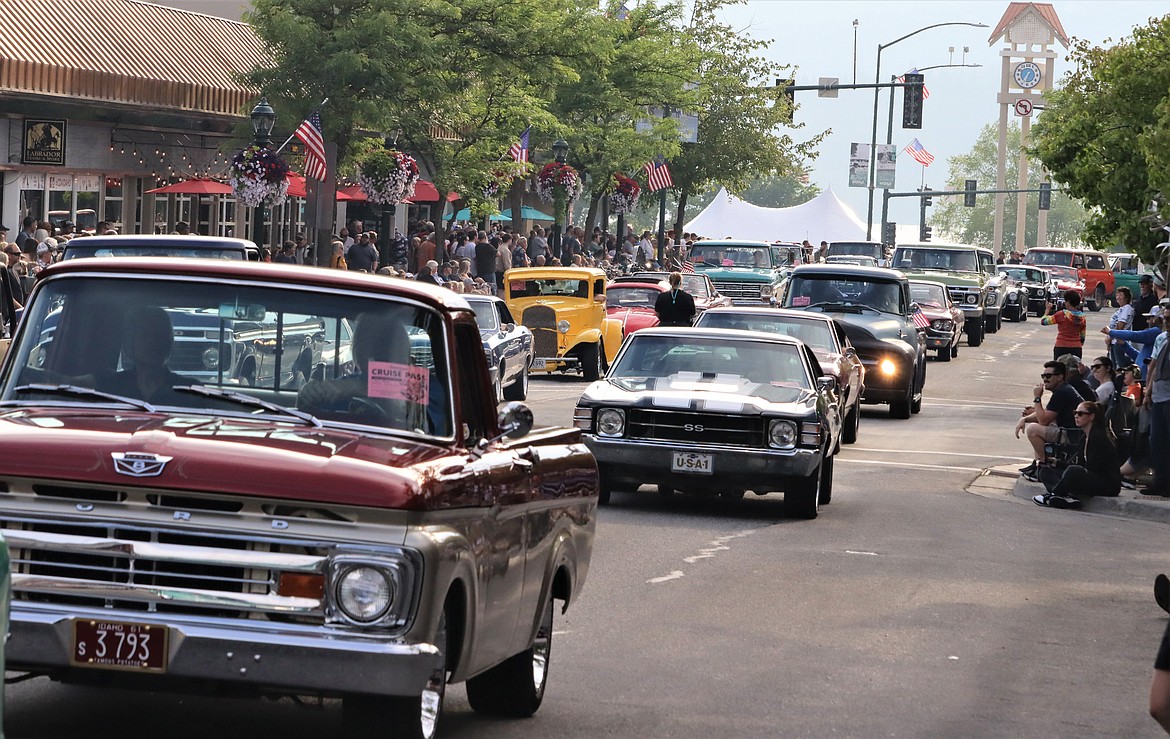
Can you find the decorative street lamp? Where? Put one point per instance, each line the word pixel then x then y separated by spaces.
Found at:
pixel 560 150
pixel 877 79
pixel 389 210
pixel 263 119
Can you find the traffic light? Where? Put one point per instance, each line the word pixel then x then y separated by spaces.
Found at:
pixel 969 195
pixel 927 200
pixel 912 101
pixel 789 96
pixel 924 232
pixel 1045 195
pixel 890 233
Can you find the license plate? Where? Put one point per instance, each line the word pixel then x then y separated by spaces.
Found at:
pixel 699 464
pixel 118 645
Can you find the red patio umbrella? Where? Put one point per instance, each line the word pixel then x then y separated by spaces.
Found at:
pixel 297 187
pixel 195 186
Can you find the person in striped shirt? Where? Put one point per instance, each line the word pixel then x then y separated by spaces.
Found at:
pixel 1070 325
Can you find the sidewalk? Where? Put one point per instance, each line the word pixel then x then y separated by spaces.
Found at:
pixel 1130 504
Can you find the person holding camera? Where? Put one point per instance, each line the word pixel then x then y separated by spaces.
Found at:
pixel 1044 424
pixel 1093 469
pixel 1070 324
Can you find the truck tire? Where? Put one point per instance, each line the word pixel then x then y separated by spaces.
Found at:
pixel 1098 301
pixel 974 332
pixel 590 356
pixel 991 324
pixel 515 687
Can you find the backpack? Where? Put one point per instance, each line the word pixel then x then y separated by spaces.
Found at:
pixel 1121 417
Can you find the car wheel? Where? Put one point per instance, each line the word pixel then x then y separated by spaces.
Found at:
pixel 901 408
pixel 515 687
pixel 414 718
pixel 955 350
pixel 825 492
pixel 1098 301
pixel 802 496
pixel 1023 315
pixel 852 423
pixel 944 354
pixel 604 489
pixel 518 390
pixel 497 384
pixel 975 332
pixel 590 356
pixel 991 324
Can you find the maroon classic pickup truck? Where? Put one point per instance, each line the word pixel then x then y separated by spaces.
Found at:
pixel 272 480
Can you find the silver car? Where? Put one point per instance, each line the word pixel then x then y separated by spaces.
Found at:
pixel 507 344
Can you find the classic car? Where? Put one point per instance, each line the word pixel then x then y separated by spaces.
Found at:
pixel 859 260
pixel 508 346
pixel 872 249
pixel 161 245
pixel 1128 270
pixel 632 303
pixel 747 272
pixel 1065 279
pixel 715 411
pixel 1090 265
pixel 1034 289
pixel 966 271
pixel 874 307
pixel 946 319
pixel 371 536
pixel 699 286
pixel 564 308
pixel 820 332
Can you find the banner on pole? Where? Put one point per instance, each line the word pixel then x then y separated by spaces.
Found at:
pixel 887 159
pixel 859 165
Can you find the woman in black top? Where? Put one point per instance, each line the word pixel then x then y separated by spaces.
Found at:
pixel 675 307
pixel 1096 469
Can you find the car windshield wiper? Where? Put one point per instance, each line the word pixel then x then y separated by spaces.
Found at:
pixel 242 399
pixel 830 305
pixel 84 392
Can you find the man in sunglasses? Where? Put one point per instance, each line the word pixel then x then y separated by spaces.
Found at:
pixel 1043 424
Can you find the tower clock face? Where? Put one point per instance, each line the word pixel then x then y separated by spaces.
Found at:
pixel 1027 75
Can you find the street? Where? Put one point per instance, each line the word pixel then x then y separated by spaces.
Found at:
pixel 910 607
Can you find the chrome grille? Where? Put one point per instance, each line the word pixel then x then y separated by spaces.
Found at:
pixel 740 290
pixel 744 431
pixel 542 322
pixel 959 295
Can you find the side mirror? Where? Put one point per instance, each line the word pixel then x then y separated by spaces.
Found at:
pixel 827 382
pixel 515 419
pixel 508 328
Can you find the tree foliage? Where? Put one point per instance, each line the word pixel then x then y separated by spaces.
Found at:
pixel 951 218
pixel 1105 134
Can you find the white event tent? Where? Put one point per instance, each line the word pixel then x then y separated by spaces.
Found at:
pixel 824 218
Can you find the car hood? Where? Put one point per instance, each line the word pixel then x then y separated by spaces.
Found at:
pixel 686 393
pixel 869 333
pixel 948 277
pixel 739 274
pixel 266 459
pixel 634 318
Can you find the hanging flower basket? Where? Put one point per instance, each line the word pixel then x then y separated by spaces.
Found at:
pixel 558 182
pixel 387 176
pixel 625 193
pixel 258 176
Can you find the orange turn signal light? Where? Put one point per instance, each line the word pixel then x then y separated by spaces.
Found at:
pixel 296 585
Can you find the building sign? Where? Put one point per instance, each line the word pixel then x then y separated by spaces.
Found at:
pixel 44 142
pixel 859 165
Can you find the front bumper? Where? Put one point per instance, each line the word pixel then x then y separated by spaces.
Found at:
pixel 939 339
pixel 256 656
pixel 641 461
pixel 883 388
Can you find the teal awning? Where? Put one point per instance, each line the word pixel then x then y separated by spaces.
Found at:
pixel 465 215
pixel 528 213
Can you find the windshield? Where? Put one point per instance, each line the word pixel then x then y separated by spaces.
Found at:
pixel 855 248
pixel 1023 274
pixel 631 297
pixel 77 249
pixel 537 287
pixel 813 331
pixel 766 370
pixel 342 358
pixel 716 255
pixel 835 293
pixel 1048 258
pixel 1067 274
pixel 485 315
pixel 918 258
pixel 928 296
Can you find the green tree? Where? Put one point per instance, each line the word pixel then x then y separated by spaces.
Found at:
pixel 949 217
pixel 1104 134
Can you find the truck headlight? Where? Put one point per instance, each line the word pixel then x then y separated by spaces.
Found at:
pixel 364 594
pixel 971 299
pixel 888 368
pixel 782 434
pixel 211 358
pixel 766 291
pixel 992 298
pixel 611 422
pixel 563 326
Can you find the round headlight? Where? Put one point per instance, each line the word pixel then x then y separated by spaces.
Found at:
pixel 1013 295
pixel 782 433
pixel 364 594
pixel 766 291
pixel 211 358
pixel 971 300
pixel 611 422
pixel 888 367
pixel 563 326
pixel 992 298
pixel 941 325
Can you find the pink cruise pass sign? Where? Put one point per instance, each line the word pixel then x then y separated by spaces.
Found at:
pixel 399 382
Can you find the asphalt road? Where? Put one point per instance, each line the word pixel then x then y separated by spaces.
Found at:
pixel 910 607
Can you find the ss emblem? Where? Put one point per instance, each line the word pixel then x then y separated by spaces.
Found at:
pixel 696 427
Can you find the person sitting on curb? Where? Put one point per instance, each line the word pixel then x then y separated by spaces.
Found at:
pixel 1095 469
pixel 1074 374
pixel 1042 425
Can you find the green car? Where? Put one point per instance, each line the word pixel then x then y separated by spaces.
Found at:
pixel 967 272
pixel 748 272
pixel 1127 270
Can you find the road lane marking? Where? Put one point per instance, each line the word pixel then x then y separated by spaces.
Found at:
pixel 911 465
pixel 940 454
pixel 868 554
pixel 714 547
pixel 672 576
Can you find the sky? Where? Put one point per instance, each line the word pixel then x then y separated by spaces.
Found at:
pixel 817 37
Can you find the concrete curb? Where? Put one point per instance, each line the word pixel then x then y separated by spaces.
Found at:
pixel 1129 504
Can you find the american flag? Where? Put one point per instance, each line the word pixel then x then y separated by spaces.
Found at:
pixel 310 133
pixel 921 155
pixel 902 80
pixel 658 176
pixel 688 267
pixel 519 150
pixel 920 319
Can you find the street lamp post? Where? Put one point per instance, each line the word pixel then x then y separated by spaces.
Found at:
pixel 263 119
pixel 877 79
pixel 389 210
pixel 560 152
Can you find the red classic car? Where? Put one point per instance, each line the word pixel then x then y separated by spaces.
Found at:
pixel 946 318
pixel 632 303
pixel 699 286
